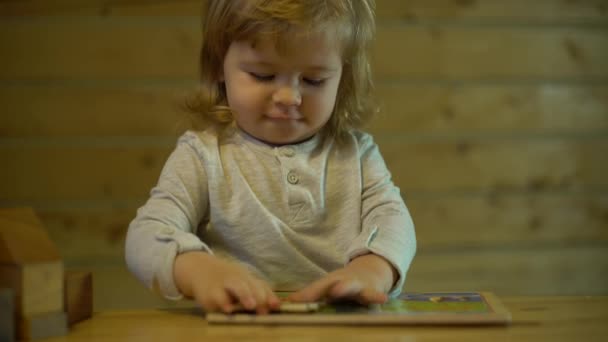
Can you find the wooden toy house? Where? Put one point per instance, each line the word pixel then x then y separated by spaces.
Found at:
pixel 31 266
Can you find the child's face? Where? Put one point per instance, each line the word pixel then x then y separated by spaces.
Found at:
pixel 286 96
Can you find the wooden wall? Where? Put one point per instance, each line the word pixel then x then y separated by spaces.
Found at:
pixel 494 124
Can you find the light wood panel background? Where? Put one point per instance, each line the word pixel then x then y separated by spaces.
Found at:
pixel 494 124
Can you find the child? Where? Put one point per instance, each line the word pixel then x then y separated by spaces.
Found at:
pixel 280 191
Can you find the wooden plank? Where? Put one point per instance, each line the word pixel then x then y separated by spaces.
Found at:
pixel 86 232
pixel 98 109
pixel 534 271
pixel 96 48
pixel 80 172
pixel 466 221
pixel 89 233
pixel 580 270
pixel 490 53
pixel 496 165
pixel 490 108
pixel 115 288
pixel 494 10
pixel 55 110
pixel 102 8
pixel 77 171
pixel 542 11
pixel 114 49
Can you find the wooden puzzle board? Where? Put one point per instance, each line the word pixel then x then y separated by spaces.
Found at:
pixel 446 308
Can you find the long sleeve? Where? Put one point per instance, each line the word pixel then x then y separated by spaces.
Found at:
pixel 387 227
pixel 166 225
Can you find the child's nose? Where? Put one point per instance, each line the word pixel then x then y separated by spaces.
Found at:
pixel 288 96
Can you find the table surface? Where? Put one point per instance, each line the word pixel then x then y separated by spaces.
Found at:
pixel 534 319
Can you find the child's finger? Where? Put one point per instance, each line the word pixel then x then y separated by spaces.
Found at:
pixel 241 292
pixel 271 298
pixel 314 291
pixel 223 302
pixel 369 295
pixel 346 288
pixel 258 288
pixel 214 301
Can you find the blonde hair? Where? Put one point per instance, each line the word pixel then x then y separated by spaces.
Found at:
pixel 229 20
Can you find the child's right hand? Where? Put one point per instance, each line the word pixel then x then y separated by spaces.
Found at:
pixel 219 285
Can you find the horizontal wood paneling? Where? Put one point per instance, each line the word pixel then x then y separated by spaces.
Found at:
pixel 82 172
pixel 534 271
pixel 114 288
pixel 91 110
pixel 497 165
pixel 93 231
pixel 542 11
pixel 118 49
pixel 507 272
pixel 508 219
pixel 135 109
pixel 489 53
pixel 471 108
pixel 84 48
pixel 494 124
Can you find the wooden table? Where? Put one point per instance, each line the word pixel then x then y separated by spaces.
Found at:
pixel 534 319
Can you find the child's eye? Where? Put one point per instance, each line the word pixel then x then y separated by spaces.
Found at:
pixel 314 82
pixel 262 77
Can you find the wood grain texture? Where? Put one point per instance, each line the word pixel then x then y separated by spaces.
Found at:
pixel 103 171
pixel 25 280
pixel 43 325
pixel 98 110
pixel 42 289
pixel 535 319
pixel 23 238
pixel 97 231
pixel 490 53
pixel 142 109
pixel 513 271
pixel 494 124
pixel 493 11
pixel 114 49
pixel 543 11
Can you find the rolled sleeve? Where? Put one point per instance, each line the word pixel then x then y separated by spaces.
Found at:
pixel 176 242
pixel 167 224
pixel 387 227
pixel 393 238
pixel 151 253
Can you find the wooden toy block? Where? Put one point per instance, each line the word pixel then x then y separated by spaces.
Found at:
pixel 44 325
pixel 7 315
pixel 23 238
pixel 29 263
pixel 38 287
pixel 78 296
pixel 25 215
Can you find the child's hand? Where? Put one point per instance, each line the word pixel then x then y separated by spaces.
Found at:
pixel 218 285
pixel 366 279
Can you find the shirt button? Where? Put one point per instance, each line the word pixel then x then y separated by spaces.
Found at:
pixel 288 152
pixel 293 177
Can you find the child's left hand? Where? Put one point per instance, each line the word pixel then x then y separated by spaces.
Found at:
pixel 366 279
